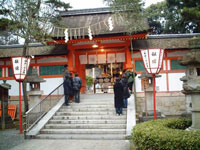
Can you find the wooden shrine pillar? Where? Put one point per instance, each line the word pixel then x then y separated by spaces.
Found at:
pixel 80 69
pixel 71 59
pixel 128 64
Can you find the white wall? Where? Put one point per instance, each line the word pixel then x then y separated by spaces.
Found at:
pixel 47 87
pixel 175 84
pixel 50 84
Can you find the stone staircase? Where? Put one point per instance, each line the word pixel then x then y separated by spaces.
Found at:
pixel 92 119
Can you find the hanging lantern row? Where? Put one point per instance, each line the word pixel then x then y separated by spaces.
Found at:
pixel 91 31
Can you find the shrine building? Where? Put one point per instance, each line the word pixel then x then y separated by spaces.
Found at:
pixel 92 49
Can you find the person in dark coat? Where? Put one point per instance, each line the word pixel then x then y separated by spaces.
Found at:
pixel 126 93
pixel 77 83
pixel 67 88
pixel 118 96
pixel 71 92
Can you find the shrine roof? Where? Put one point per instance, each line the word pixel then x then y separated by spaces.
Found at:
pixel 165 41
pixel 78 21
pixel 35 49
pixel 85 11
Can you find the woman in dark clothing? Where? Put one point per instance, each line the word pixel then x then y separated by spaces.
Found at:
pixel 67 88
pixel 126 93
pixel 118 96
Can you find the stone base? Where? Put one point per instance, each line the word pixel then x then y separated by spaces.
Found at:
pixel 8 123
pixel 186 115
pixel 192 129
pixel 150 116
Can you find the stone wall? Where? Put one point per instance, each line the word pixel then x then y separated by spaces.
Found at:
pixel 170 104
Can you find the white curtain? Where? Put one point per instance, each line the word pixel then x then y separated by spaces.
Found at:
pixel 101 58
pixel 83 59
pixel 92 59
pixel 120 57
pixel 111 58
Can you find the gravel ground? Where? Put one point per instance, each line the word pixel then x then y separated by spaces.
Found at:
pixel 10 138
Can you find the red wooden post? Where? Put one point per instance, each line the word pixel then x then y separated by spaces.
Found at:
pixel 20 109
pixel 154 96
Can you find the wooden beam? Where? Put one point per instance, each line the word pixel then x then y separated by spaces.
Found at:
pixel 97 39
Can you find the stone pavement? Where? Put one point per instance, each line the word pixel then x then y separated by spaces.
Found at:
pixel 73 145
pixel 11 140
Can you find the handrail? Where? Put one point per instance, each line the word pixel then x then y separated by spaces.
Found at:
pixel 34 114
pixel 42 100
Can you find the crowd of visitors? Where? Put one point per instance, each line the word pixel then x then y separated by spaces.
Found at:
pixel 122 90
pixel 71 86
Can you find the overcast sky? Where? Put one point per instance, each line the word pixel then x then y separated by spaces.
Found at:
pixel 81 4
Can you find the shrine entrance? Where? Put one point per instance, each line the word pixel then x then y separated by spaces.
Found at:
pixel 104 76
pixel 102 57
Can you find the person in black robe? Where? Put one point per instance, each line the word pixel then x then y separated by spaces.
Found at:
pixel 118 96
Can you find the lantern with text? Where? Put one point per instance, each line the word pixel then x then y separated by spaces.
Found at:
pixel 152 59
pixel 20 66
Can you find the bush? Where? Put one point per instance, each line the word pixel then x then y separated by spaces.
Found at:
pixel 89 81
pixel 165 134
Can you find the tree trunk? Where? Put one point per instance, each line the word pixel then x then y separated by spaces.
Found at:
pixel 25 97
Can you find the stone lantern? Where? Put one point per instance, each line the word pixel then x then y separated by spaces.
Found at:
pixel 34 84
pixel 147 86
pixel 191 82
pixel 6 120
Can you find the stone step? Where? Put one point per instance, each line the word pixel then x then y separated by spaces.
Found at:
pixel 94 102
pixel 87 121
pixel 82 136
pixel 85 126
pixel 94 117
pixel 83 131
pixel 87 106
pixel 86 109
pixel 88 113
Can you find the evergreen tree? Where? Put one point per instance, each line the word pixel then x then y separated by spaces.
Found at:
pixel 156 17
pixel 174 16
pixel 131 12
pixel 32 20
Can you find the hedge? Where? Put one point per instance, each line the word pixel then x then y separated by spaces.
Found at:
pixel 165 134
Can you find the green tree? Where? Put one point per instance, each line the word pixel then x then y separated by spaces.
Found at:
pixel 190 12
pixel 32 20
pixel 156 17
pixel 174 16
pixel 131 12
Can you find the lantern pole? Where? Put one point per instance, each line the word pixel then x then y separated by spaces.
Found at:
pixel 154 96
pixel 20 66
pixel 20 109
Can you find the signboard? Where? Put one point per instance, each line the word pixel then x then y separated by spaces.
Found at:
pixel 152 59
pixel 20 67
